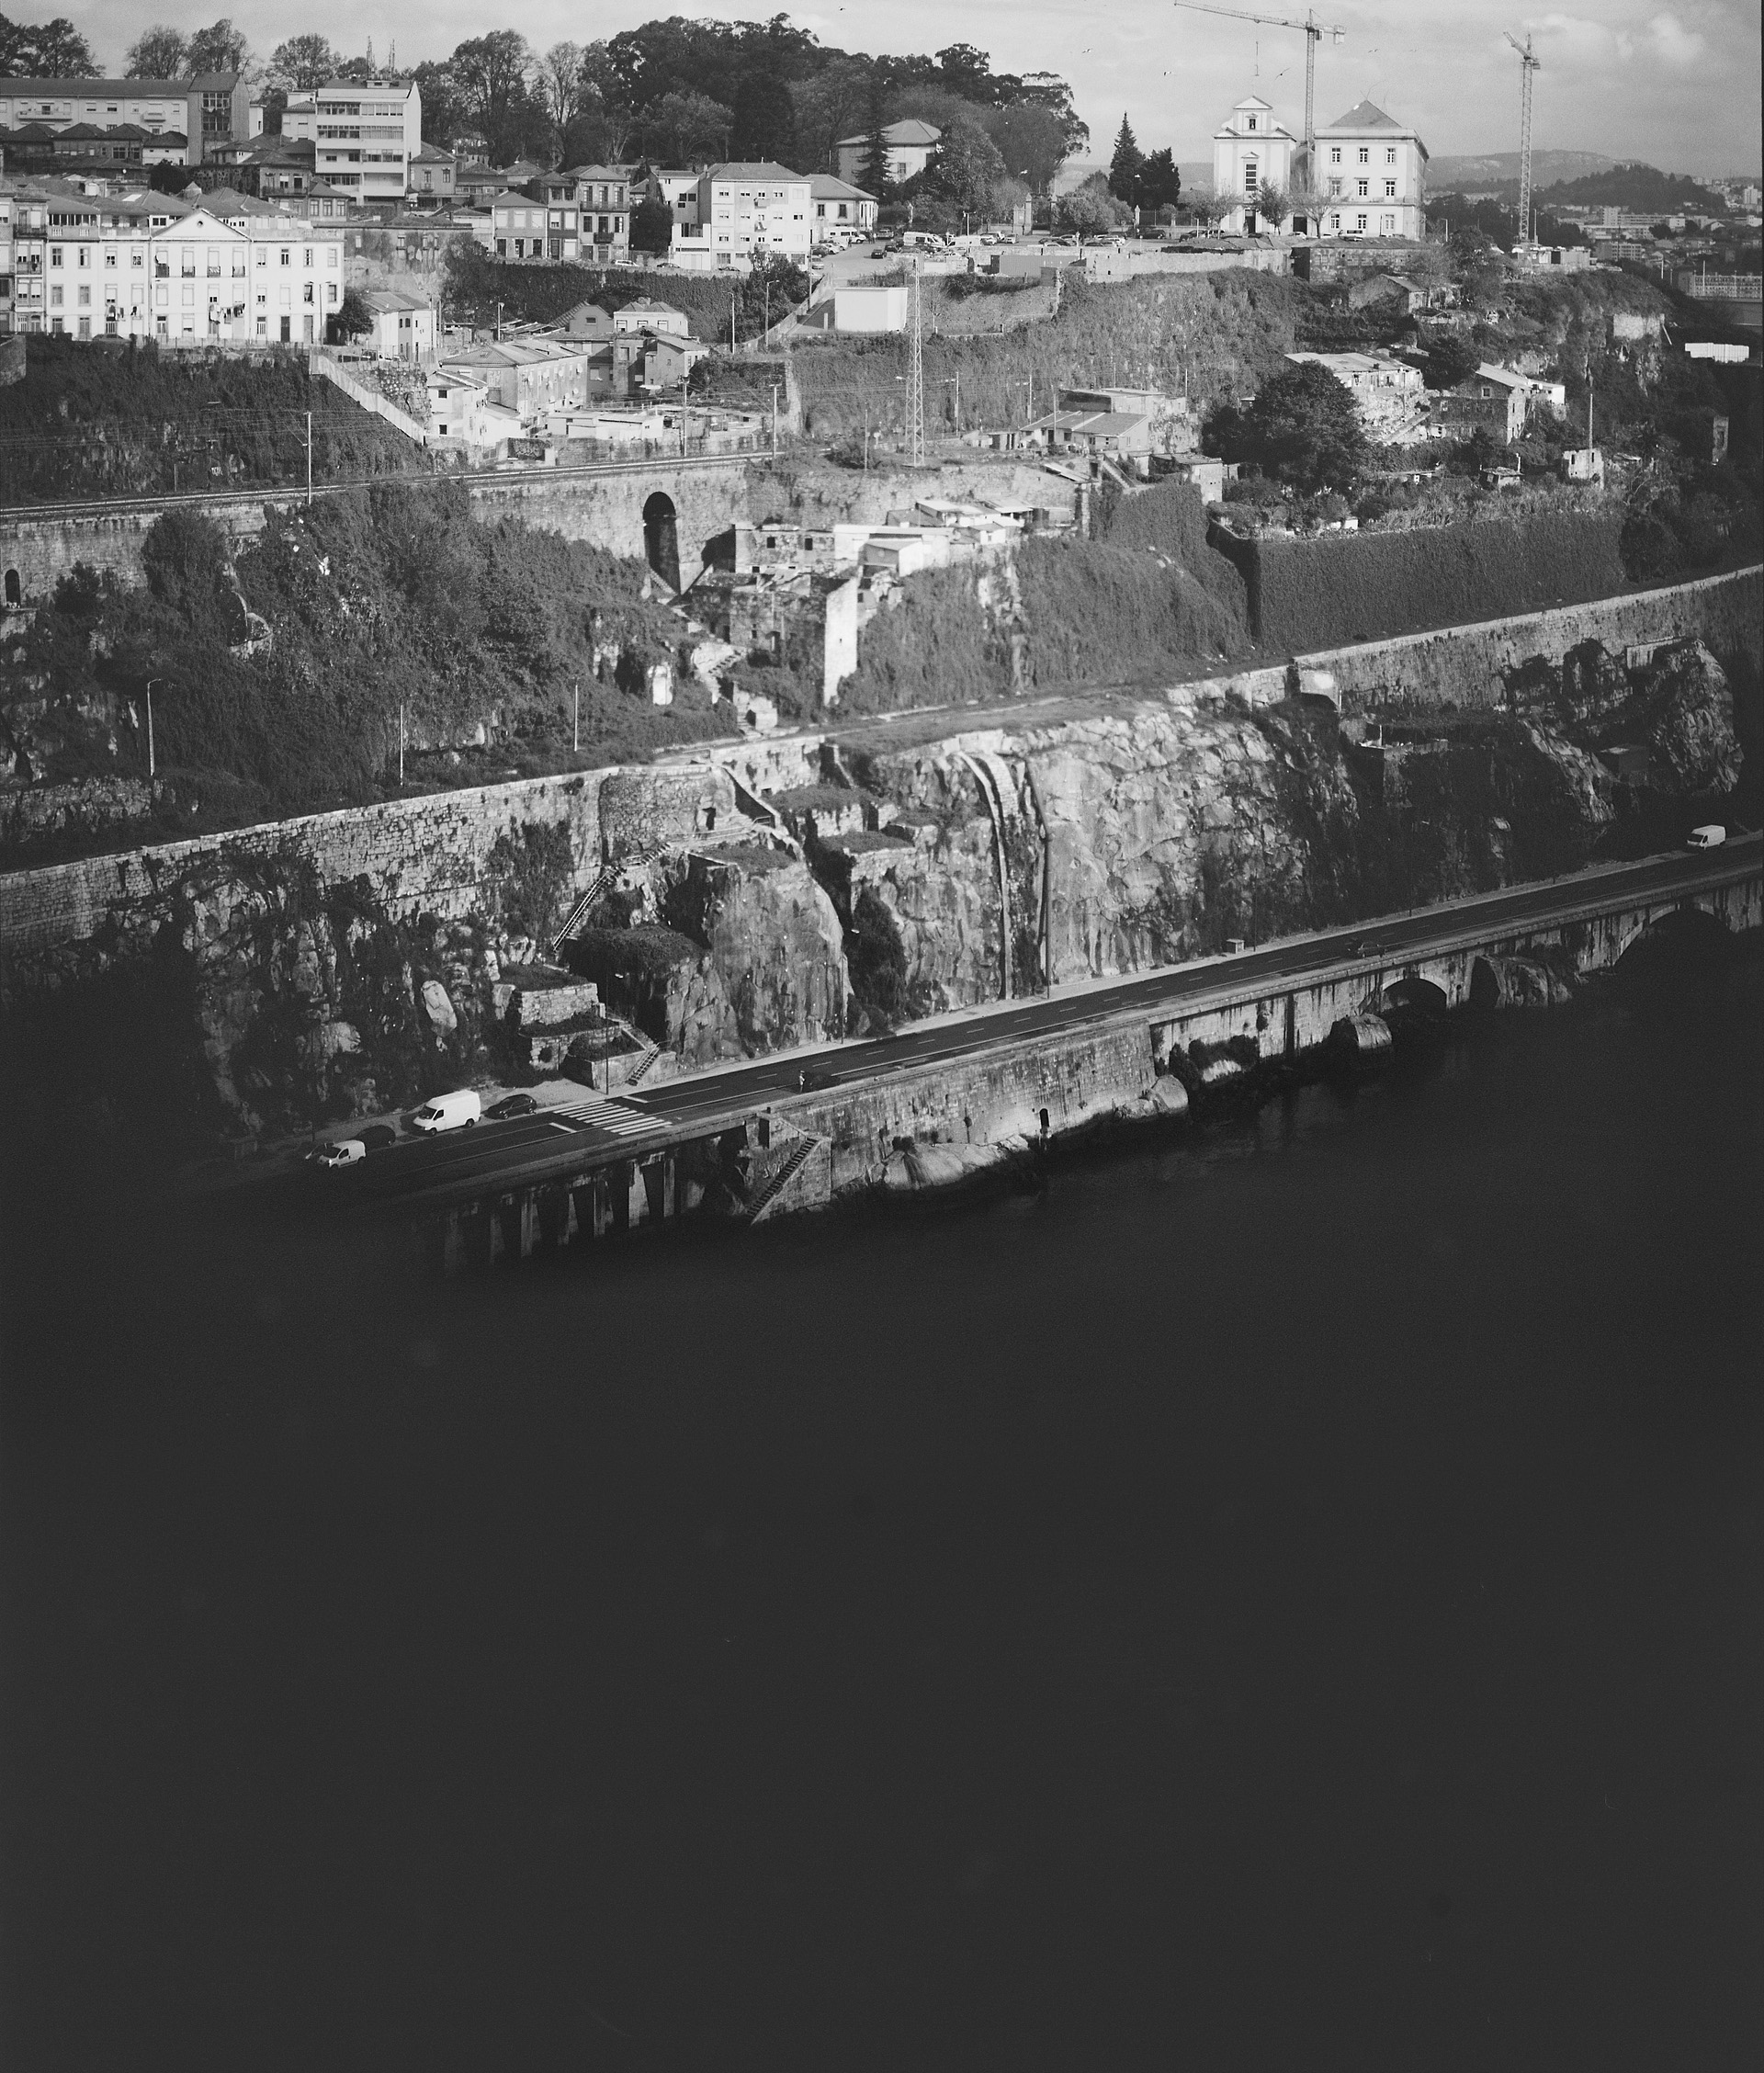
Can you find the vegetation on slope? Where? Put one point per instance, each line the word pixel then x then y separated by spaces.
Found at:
pixel 88 421
pixel 380 601
pixel 478 285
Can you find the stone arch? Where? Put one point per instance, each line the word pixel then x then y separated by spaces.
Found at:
pixel 14 589
pixel 1421 996
pixel 662 537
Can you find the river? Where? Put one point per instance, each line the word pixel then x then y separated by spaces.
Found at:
pixel 1283 1596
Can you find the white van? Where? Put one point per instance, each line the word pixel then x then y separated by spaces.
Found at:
pixel 457 1111
pixel 1709 836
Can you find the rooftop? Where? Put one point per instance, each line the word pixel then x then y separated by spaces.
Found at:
pixel 909 131
pixel 752 169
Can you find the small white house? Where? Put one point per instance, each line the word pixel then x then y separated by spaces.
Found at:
pixel 403 324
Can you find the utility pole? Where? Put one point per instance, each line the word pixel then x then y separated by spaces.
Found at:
pixel 1527 64
pixel 774 420
pixel 151 766
pixel 575 732
pixel 309 456
pixel 915 369
pixel 400 744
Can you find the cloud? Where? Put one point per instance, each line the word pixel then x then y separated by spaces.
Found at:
pixel 1672 44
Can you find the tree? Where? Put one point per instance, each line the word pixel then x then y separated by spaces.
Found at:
pixel 960 175
pixel 765 119
pixel 1304 426
pixel 1161 184
pixel 156 53
pixel 687 130
pixel 829 104
pixel 652 225
pixel 961 69
pixel 52 49
pixel 560 83
pixel 1031 141
pixel 1090 209
pixel 1048 90
pixel 491 75
pixel 353 319
pixel 1450 360
pixel 873 174
pixel 306 62
pixel 444 113
pixel 220 48
pixel 1270 205
pixel 1125 166
pixel 607 96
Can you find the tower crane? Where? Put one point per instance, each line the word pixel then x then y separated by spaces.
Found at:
pixel 1314 32
pixel 1527 64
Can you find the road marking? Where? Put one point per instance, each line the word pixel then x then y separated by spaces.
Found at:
pixel 618 1119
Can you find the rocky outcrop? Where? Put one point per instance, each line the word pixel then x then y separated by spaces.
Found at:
pixel 774 937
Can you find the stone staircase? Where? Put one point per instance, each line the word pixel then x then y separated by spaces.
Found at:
pixel 777 1195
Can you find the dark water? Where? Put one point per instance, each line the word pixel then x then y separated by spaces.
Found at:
pixel 1288 1598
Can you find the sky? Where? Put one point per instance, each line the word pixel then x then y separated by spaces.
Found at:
pixel 1679 86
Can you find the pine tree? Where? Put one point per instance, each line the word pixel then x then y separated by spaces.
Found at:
pixel 1126 166
pixel 873 176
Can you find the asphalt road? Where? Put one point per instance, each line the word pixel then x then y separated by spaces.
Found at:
pixel 456 1166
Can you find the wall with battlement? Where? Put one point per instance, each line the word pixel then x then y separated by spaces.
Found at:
pixel 1464 666
pixel 605 510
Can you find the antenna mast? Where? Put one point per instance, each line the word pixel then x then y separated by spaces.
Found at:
pixel 1527 65
pixel 916 369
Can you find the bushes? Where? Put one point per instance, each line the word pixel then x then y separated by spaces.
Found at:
pixel 877 961
pixel 526 876
pixel 88 423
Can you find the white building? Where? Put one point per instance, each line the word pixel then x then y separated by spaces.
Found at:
pixel 1252 150
pixel 908 146
pixel 366 136
pixel 838 206
pixel 677 192
pixel 1390 392
pixel 403 324
pixel 1371 177
pixel 745 212
pixel 92 274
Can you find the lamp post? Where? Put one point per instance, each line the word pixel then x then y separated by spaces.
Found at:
pixel 150 682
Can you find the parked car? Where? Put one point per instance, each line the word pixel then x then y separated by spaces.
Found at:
pixel 510 1106
pixel 1709 837
pixel 457 1111
pixel 375 1137
pixel 349 1151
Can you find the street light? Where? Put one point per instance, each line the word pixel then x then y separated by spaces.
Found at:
pixel 150 682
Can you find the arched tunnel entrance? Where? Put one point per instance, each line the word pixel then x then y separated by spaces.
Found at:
pixel 1417 997
pixel 661 537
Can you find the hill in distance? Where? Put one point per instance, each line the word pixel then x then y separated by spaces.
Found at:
pixel 1447 175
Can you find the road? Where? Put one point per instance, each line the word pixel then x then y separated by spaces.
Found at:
pixel 436 1171
pixel 294 493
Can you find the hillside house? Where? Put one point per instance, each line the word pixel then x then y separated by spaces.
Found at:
pixel 1390 392
pixel 908 146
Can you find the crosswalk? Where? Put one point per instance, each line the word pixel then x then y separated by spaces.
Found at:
pixel 618 1119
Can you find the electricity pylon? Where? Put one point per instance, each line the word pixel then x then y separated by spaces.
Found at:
pixel 915 369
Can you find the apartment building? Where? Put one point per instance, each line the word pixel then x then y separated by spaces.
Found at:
pixel 364 136
pixel 745 212
pixel 1371 176
pixel 582 214
pixel 209 111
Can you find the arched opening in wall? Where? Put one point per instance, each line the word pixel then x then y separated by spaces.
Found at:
pixel 661 537
pixel 14 589
pixel 1419 997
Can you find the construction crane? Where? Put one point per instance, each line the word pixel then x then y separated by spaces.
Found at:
pixel 1314 32
pixel 1527 64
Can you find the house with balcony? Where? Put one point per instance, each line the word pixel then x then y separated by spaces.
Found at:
pixel 746 211
pixel 1371 177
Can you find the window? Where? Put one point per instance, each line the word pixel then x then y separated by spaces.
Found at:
pixel 56 255
pixel 84 296
pixel 1387 222
pixel 1252 122
pixel 1359 221
pixel 1364 185
pixel 1390 187
pixel 54 297
pixel 1335 155
pixel 288 256
pixel 1390 154
pixel 1335 187
pixel 1365 155
pixel 1251 177
pixel 263 255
